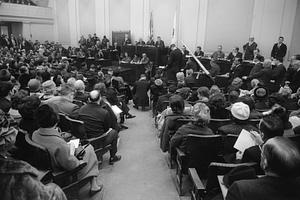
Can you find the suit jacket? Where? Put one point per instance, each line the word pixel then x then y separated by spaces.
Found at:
pixel 231 57
pixel 278 74
pixel 175 60
pixel 58 148
pixel 96 119
pixel 179 138
pixel 255 70
pixel 278 52
pixel 140 96
pixel 265 188
pixel 63 105
pixel 248 49
pixel 295 80
pixel 160 44
pixel 252 154
pixel 217 55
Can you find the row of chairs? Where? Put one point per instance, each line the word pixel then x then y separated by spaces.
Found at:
pixel 205 157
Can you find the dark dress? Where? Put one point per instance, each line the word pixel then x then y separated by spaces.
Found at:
pixel 175 62
pixel 140 96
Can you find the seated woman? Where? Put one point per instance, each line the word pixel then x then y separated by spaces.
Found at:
pixel 201 113
pixel 61 158
pixel 18 179
pixel 240 113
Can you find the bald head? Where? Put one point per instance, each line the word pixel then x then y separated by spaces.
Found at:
pixel 281 156
pixel 95 96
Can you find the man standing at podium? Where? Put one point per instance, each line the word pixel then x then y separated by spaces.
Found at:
pixel 249 48
pixel 279 50
pixel 174 62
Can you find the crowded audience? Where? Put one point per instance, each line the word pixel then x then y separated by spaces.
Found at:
pixel 41 81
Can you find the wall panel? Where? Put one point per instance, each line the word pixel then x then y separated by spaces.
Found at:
pixel 87 15
pixel 119 15
pixel 228 23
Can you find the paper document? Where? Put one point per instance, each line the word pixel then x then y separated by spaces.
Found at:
pixel 73 145
pixel 244 141
pixel 116 110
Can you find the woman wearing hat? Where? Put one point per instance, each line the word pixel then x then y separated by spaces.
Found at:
pixel 240 113
pixel 18 179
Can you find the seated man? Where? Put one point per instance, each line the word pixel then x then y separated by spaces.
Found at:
pixel 280 160
pixel 240 113
pixel 63 103
pixel 144 59
pixel 97 121
pixel 270 126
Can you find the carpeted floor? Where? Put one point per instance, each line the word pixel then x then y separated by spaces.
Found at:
pixel 142 174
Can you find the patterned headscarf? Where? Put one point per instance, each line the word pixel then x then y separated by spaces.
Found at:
pixel 7 134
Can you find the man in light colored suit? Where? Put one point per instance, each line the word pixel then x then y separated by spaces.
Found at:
pixel 63 103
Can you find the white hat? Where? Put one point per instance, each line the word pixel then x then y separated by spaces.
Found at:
pixel 240 111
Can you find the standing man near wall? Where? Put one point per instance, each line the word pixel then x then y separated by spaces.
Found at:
pixel 249 48
pixel 175 62
pixel 279 50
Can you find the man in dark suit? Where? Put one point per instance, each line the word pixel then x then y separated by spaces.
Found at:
pixel 175 62
pixel 280 160
pixel 270 126
pixel 279 50
pixel 234 54
pixel 249 48
pixel 126 40
pixel 159 43
pixel 97 121
pixel 293 75
pixel 140 92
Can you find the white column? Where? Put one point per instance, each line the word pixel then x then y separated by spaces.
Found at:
pixel 146 20
pixel 188 23
pixel 73 22
pixel 26 30
pixel 202 19
pixel 287 23
pixel 52 4
pixel 139 19
pixel 102 18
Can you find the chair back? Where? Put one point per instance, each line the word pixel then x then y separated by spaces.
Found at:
pixel 215 124
pixel 201 150
pixel 37 155
pixel 215 169
pixel 73 126
pixel 254 122
pixel 228 142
